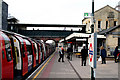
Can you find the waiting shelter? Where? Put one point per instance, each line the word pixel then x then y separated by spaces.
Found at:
pixel 78 40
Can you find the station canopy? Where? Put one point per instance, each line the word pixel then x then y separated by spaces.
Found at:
pixel 80 36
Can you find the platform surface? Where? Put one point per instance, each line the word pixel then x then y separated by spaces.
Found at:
pixel 52 69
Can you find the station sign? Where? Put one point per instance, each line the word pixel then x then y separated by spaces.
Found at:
pixel 92 52
pixel 87 15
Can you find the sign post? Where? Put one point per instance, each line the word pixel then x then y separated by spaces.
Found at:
pixel 92 53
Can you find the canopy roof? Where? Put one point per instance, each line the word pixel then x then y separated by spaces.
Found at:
pixel 80 35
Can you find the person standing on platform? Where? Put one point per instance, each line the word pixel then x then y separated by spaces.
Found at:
pixel 103 55
pixel 61 54
pixel 84 54
pixel 70 52
pixel 116 53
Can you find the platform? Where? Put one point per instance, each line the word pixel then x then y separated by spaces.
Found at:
pixel 52 69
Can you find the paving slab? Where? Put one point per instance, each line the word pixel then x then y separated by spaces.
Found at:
pixel 108 70
pixel 63 70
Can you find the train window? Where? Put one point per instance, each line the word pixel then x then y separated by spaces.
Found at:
pixel 3 55
pixel 23 50
pixel 7 47
pixel 16 51
pixel 28 46
pixel 29 49
pixel 8 51
pixel 34 49
pixel 40 48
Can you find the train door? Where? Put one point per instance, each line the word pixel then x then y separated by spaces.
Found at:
pixel 7 59
pixel 23 55
pixel 34 56
pixel 16 56
pixel 47 50
pixel 39 51
pixel 36 49
pixel 44 50
pixel 33 53
pixel 29 51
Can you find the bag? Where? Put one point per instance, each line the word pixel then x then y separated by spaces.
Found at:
pixel 60 51
pixel 117 57
pixel 99 59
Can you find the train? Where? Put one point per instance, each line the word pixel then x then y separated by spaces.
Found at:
pixel 19 54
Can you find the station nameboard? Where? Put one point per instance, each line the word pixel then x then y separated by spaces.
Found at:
pixel 92 40
pixel 87 15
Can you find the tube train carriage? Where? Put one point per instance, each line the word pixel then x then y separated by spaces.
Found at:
pixel 20 55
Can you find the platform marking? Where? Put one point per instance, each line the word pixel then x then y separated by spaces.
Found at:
pixel 43 67
pixel 40 66
pixel 75 70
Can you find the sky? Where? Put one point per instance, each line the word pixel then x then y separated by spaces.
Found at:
pixel 54 11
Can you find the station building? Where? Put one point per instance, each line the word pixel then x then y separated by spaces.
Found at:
pixel 107 22
pixel 107 25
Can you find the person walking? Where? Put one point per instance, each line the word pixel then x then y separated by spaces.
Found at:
pixel 70 52
pixel 84 54
pixel 116 53
pixel 103 55
pixel 61 54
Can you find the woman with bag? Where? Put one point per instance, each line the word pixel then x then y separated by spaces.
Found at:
pixel 116 53
pixel 103 55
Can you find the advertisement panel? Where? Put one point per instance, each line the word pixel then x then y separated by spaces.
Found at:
pixel 29 62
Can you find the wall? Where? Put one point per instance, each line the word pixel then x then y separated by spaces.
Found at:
pixel 111 42
pixel 87 23
pixel 4 15
pixel 102 15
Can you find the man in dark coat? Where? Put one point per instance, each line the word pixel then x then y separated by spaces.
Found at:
pixel 84 54
pixel 103 55
pixel 116 53
pixel 61 54
pixel 70 52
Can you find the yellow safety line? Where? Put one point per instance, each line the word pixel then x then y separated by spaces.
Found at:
pixel 42 67
pixel 25 73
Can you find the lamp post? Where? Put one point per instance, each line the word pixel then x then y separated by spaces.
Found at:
pixel 92 17
pixel 92 69
pixel 92 7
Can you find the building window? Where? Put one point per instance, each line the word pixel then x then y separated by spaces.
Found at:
pixel 99 24
pixel 115 23
pixel 118 41
pixel 106 24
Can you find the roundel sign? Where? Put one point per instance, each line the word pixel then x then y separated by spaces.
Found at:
pixel 92 50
